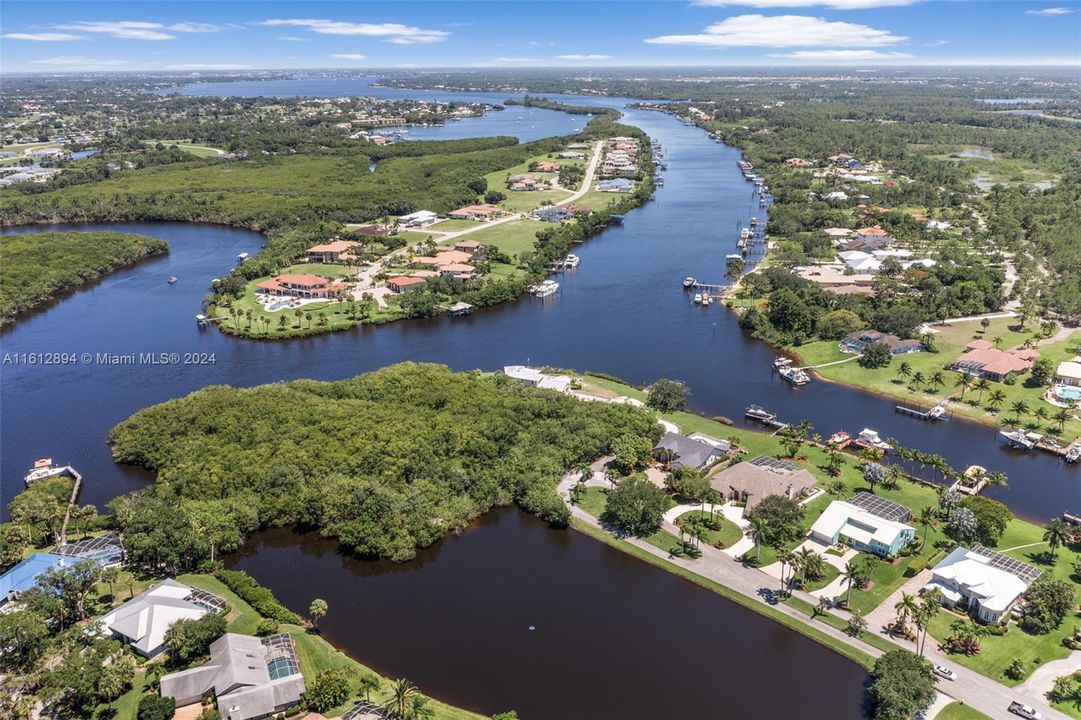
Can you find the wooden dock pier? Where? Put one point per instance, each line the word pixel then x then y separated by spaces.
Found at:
pixel 71 502
pixel 938 412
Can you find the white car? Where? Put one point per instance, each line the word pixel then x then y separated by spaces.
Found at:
pixel 1025 711
pixel 944 672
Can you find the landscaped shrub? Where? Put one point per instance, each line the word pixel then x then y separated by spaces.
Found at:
pixel 916 566
pixel 259 597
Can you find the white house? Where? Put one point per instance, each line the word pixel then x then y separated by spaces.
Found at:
pixel 862 529
pixel 535 378
pixel 421 218
pixel 142 621
pixel 835 196
pixel 981 581
pixel 939 225
pixel 1068 373
pixel 860 261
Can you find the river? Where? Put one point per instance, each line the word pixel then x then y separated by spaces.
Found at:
pixel 454 620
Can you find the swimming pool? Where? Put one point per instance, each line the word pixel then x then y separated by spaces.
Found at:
pixel 1070 394
pixel 278 305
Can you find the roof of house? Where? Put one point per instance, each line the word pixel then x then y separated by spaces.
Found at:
pixel 523 372
pixel 760 480
pixel 844 518
pixel 980 356
pixel 996 583
pixel 404 281
pixel 873 231
pixel 304 280
pixel 452 256
pixel 333 246
pixel 145 618
pixel 1069 369
pixel 690 452
pixel 23 576
pixel 471 244
pixel 456 268
pixel 894 343
pixel 485 209
pixel 419 215
pixel 239 672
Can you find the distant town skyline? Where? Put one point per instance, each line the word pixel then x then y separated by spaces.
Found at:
pixel 204 36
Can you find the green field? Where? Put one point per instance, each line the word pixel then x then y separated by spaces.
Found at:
pixel 452 225
pixel 188 147
pixel 528 200
pixel 512 238
pixel 950 341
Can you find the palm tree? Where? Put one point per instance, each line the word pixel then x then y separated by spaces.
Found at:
pixel 1062 417
pixel 317 610
pixel 964 381
pixel 929 520
pixel 421 708
pixel 759 531
pixel 996 398
pixel 401 697
pixel 823 607
pixel 109 576
pixel 998 479
pixel 368 682
pixel 918 379
pixel 904 370
pixel 929 607
pixel 1019 408
pixel 1057 533
pixel 997 341
pixel 982 386
pixel 938 380
pixel 787 558
pixel 1040 413
pixel 154 673
pixel 852 573
pixel 906 607
pixel 111 683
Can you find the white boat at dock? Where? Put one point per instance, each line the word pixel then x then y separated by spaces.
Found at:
pixel 780 362
pixel 1073 454
pixel 44 468
pixel 698 298
pixel 544 289
pixel 242 257
pixel 745 234
pixel 689 282
pixel 1017 439
pixel 759 413
pixel 733 258
pixel 796 376
pixel 572 261
pixel 707 300
pixel 870 438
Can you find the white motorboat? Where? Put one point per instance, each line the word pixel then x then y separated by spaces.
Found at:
pixel 545 289
pixel 698 298
pixel 794 375
pixel 571 261
pixel 44 468
pixel 1017 439
pixel 689 282
pixel 871 438
pixel 781 362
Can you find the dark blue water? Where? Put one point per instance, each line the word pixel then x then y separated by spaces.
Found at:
pixel 623 312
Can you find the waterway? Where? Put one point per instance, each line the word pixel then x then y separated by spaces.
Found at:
pixel 611 636
pixel 456 620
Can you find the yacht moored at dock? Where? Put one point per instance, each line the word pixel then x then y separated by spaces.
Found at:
pixel 796 376
pixel 689 282
pixel 869 438
pixel 1017 439
pixel 544 289
pixel 44 468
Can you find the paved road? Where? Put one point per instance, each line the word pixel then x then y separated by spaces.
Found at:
pixel 588 181
pixel 978 691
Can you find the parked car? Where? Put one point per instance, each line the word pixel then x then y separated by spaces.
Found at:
pixel 1025 711
pixel 944 672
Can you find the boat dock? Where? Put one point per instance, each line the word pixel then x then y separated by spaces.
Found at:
pixel 716 291
pixel 938 412
pixel 764 417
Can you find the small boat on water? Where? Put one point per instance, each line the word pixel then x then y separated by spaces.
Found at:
pixel 689 282
pixel 572 261
pixel 733 258
pixel 707 300
pixel 544 289
pixel 171 280
pixel 759 413
pixel 242 257
pixel 780 362
pixel 44 468
pixel 1073 454
pixel 698 298
pixel 1017 439
pixel 794 375
pixel 870 438
pixel 754 221
pixel 745 234
pixel 839 439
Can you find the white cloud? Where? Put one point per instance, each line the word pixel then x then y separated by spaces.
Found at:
pixel 842 55
pixel 835 4
pixel 781 31
pixel 42 37
pixel 347 56
pixel 516 60
pixel 292 38
pixel 394 32
pixel 590 56
pixel 73 62
pixel 124 29
pixel 1051 11
pixel 195 27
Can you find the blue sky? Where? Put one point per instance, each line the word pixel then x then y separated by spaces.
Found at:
pixel 44 36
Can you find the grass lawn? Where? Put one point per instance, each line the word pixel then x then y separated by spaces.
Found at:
pixel 332 271
pixel 315 653
pixel 529 199
pixel 728 534
pixel 512 238
pixel 416 236
pixel 829 574
pixel 957 711
pixel 869 637
pixel 950 341
pixel 453 225
pixel 593 501
pixel 597 200
pixel 187 146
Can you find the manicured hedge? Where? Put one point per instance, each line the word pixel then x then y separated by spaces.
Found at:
pixel 257 596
